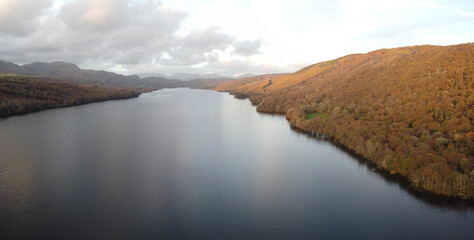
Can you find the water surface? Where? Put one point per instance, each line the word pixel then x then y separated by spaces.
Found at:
pixel 195 164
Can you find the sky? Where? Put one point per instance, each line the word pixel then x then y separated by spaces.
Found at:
pixel 221 36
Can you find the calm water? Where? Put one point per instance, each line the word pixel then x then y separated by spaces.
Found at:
pixel 194 164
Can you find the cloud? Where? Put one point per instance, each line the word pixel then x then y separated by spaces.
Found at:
pixel 99 15
pixel 207 45
pixel 113 33
pixel 200 45
pixel 248 47
pixel 118 31
pixel 21 17
pixel 233 66
pixel 230 67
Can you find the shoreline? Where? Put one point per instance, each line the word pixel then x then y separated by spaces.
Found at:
pixel 20 95
pixel 65 106
pixel 409 185
pixel 425 196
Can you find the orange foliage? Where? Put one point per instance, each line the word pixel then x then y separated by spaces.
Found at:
pixel 409 110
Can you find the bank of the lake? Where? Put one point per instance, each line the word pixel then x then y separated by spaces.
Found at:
pixel 300 120
pixel 408 110
pixel 21 94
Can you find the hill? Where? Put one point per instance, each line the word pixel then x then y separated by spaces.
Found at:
pixel 71 73
pixel 408 110
pixel 23 94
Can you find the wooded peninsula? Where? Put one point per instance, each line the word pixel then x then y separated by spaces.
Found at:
pixel 21 94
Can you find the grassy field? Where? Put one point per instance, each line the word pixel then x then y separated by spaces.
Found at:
pixel 312 115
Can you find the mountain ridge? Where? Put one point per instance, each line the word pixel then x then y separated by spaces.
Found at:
pixel 73 74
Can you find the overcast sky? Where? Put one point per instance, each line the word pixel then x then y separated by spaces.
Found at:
pixel 221 36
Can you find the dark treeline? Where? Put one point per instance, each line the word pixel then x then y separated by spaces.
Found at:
pixel 23 94
pixel 408 110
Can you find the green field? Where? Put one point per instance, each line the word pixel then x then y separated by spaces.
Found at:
pixel 312 115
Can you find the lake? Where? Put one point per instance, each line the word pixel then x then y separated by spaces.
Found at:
pixel 197 164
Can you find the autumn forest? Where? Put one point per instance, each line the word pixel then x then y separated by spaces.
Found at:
pixel 407 110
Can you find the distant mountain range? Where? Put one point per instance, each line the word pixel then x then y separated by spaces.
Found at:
pixel 195 76
pixel 71 73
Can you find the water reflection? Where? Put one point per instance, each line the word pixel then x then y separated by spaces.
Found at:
pixel 459 205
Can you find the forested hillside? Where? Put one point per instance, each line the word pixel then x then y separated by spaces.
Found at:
pixel 22 94
pixel 408 110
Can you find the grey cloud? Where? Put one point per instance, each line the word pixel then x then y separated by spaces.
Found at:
pixel 21 17
pixel 199 45
pixel 99 15
pixel 246 66
pixel 117 32
pixel 247 47
pixel 128 34
pixel 207 39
